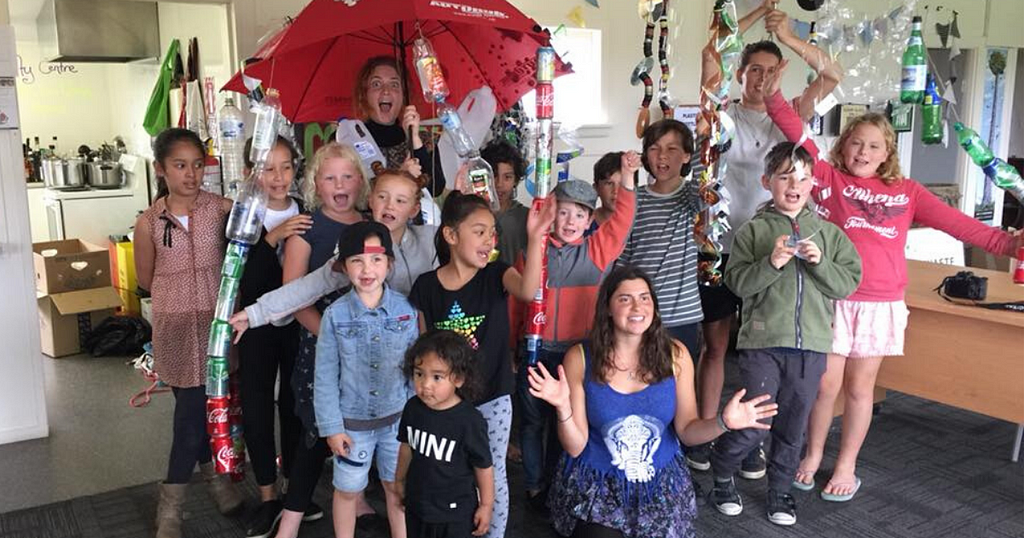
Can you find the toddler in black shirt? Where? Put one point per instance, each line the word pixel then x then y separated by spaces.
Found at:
pixel 445 457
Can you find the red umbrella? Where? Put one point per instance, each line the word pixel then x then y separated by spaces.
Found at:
pixel 314 61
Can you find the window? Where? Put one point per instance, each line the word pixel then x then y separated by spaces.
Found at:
pixel 577 95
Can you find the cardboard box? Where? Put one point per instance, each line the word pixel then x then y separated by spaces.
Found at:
pixel 69 265
pixel 66 318
pixel 130 303
pixel 977 257
pixel 126 267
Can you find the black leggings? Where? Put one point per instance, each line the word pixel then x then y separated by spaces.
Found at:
pixel 191 443
pixel 593 530
pixel 306 470
pixel 263 352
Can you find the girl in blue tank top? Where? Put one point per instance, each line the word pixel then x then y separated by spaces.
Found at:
pixel 624 401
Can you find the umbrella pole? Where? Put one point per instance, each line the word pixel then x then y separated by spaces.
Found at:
pixel 400 44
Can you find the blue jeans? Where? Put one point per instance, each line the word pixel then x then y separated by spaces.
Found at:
pixel 540 452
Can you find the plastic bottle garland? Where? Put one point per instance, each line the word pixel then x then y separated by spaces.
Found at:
pixel 641 74
pixel 725 44
pixel 663 98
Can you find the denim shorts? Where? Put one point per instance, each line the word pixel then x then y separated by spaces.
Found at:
pixel 351 474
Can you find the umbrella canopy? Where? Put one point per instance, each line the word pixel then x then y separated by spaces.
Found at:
pixel 314 61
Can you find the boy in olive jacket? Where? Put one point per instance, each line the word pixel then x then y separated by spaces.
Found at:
pixel 788 266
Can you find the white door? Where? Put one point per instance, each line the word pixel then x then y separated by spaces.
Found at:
pixel 22 400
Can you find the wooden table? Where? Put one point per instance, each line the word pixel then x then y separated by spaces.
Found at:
pixel 965 356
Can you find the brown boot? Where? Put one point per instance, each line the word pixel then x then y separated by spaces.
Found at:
pixel 168 512
pixel 229 500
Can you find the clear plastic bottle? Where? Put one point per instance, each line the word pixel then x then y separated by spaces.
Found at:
pixel 481 176
pixel 452 122
pixel 264 133
pixel 232 145
pixel 432 82
pixel 246 220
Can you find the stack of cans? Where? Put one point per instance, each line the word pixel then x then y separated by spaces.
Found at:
pixel 223 404
pixel 537 319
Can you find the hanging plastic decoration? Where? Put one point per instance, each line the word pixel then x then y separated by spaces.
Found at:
pixel 869 45
pixel 726 45
pixel 641 73
pixel 663 97
pixel 997 170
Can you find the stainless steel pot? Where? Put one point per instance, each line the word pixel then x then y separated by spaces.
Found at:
pixel 74 172
pixel 106 175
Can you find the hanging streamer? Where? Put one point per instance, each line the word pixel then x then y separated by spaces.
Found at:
pixel 725 45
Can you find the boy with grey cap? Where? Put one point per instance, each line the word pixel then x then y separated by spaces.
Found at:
pixel 576 266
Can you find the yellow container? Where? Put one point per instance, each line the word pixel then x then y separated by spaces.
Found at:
pixel 126 267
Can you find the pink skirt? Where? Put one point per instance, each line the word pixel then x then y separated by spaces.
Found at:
pixel 869 329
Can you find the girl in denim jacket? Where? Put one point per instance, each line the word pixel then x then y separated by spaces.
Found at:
pixel 359 389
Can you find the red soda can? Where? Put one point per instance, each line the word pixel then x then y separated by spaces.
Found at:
pixel 217 424
pixel 1018 273
pixel 545 100
pixel 223 454
pixel 238 449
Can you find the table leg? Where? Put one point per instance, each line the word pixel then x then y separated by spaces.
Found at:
pixel 1016 443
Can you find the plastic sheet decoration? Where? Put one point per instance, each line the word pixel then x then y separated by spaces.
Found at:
pixel 869 45
pixel 716 130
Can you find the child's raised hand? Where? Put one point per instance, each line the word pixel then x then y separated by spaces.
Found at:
pixel 482 519
pixel 773 79
pixel 412 165
pixel 296 225
pixel 340 444
pixel 630 164
pixel 809 251
pixel 781 254
pixel 240 323
pixel 539 220
pixel 738 415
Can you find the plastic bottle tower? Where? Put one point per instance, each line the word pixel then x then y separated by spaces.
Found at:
pixel 435 88
pixel 711 223
pixel 223 405
pixel 536 318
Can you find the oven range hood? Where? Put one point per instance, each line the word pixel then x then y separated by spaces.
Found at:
pixel 111 31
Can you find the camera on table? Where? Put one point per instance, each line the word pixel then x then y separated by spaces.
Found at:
pixel 965 285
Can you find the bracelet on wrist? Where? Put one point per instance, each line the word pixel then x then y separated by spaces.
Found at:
pixel 566 419
pixel 721 424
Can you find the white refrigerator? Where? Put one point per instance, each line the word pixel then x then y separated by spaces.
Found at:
pixel 22 400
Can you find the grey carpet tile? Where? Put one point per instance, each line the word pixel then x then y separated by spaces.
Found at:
pixel 929 471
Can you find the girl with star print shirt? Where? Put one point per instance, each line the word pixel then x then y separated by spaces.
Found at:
pixel 479 312
pixel 468 294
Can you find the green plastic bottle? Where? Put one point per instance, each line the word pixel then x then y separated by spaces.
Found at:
pixel 973 145
pixel 915 66
pixel 931 114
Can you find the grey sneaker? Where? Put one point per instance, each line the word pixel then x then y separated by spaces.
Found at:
pixel 725 498
pixel 781 508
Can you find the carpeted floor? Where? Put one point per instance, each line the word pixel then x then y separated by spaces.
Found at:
pixel 929 471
